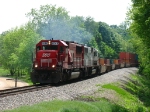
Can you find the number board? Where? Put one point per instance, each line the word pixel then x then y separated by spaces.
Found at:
pixel 54 43
pixel 44 43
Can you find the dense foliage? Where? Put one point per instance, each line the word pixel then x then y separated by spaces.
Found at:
pixel 17 46
pixel 139 15
pixel 54 22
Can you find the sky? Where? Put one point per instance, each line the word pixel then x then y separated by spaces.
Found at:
pixel 112 12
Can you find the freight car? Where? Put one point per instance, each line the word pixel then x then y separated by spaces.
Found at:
pixel 59 60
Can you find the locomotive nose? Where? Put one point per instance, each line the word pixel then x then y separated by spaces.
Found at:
pixel 47 54
pixel 47 59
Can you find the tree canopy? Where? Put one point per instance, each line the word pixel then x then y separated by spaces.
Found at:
pixel 54 22
pixel 139 15
pixel 17 46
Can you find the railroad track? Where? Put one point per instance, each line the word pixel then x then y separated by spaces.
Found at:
pixel 20 90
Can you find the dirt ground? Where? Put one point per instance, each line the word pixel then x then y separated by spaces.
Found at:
pixel 6 83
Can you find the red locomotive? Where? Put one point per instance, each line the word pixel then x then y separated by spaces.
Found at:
pixel 58 60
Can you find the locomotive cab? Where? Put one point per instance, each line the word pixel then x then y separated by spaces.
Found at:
pixel 53 52
pixel 50 55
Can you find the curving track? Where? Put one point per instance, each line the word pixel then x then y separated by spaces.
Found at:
pixel 68 91
pixel 20 90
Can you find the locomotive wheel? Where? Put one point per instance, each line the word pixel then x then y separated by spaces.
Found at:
pixel 64 77
pixel 85 72
pixel 33 78
pixel 98 71
pixel 81 74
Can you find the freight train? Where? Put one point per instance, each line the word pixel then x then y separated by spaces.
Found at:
pixel 59 60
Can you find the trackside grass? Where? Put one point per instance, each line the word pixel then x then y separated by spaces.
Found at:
pixel 132 96
pixel 127 100
pixel 71 106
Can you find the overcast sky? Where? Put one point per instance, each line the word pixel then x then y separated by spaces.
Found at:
pixel 12 12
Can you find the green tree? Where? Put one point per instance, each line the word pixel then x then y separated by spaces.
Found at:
pixel 52 22
pixel 78 21
pixel 91 26
pixel 27 48
pixel 109 40
pixel 10 41
pixel 17 47
pixel 139 15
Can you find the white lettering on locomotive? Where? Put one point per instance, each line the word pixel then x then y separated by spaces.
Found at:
pixel 46 55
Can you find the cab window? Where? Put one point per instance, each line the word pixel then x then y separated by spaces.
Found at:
pixel 95 53
pixel 50 47
pixel 38 48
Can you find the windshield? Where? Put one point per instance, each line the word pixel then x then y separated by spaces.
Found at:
pixel 51 47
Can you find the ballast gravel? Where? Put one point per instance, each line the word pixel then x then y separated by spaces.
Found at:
pixel 68 91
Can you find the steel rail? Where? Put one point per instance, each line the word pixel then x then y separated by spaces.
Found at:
pixel 20 90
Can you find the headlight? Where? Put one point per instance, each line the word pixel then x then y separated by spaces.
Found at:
pixel 36 65
pixel 53 66
pixel 49 42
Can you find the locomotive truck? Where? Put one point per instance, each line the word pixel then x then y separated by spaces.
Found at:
pixel 59 60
